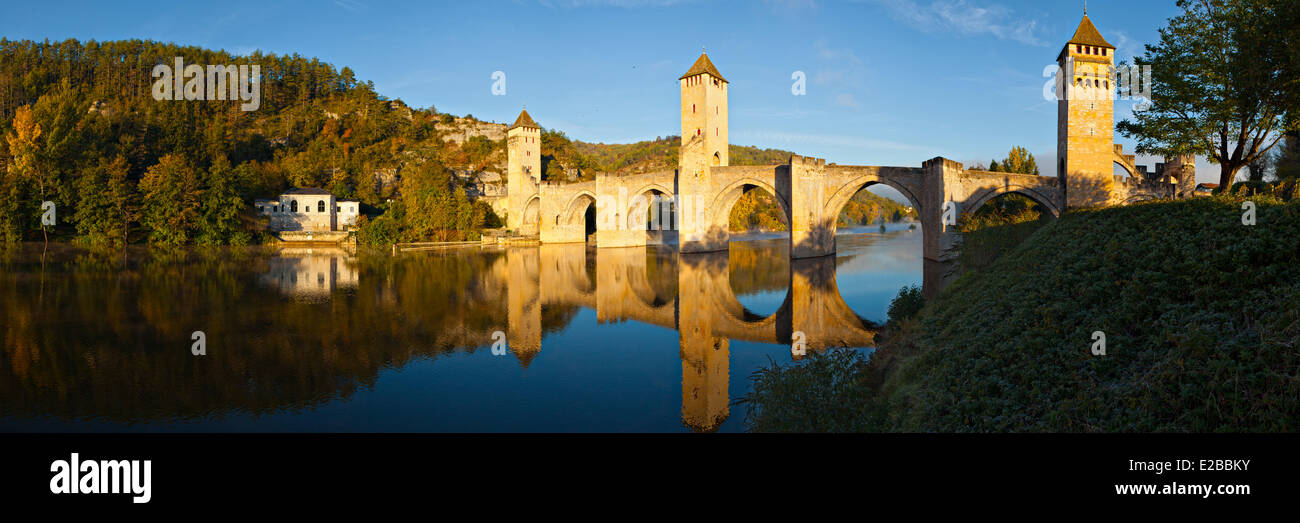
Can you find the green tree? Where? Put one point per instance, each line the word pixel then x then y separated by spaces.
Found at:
pixel 122 197
pixel 221 206
pixel 1018 161
pixel 96 217
pixel 171 195
pixel 1218 84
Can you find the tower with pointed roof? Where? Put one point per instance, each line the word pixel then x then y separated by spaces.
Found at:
pixel 704 117
pixel 704 145
pixel 1085 135
pixel 523 171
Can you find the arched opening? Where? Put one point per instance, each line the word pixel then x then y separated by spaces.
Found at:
pixel 654 210
pixel 754 211
pixel 873 204
pixel 1122 170
pixel 877 208
pixel 532 215
pixel 293 206
pixel 582 213
pixel 717 159
pixel 999 222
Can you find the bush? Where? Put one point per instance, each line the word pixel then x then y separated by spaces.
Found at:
pixel 820 394
pixel 906 305
pixel 380 231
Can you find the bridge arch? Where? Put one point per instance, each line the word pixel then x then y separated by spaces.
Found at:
pixel 1128 170
pixel 532 217
pixel 840 198
pixel 989 194
pixel 576 208
pixel 639 207
pixel 729 195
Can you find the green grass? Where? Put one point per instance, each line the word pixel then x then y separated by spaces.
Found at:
pixel 1201 316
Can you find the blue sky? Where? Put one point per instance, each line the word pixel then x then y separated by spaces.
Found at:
pixel 889 82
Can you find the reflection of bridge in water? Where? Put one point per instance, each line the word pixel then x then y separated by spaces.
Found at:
pixel 691 294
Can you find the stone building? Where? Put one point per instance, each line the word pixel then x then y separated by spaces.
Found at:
pixel 308 209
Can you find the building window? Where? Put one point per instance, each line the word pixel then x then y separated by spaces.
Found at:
pixel 1103 51
pixel 692 108
pixel 293 206
pixel 320 206
pixel 1079 49
pixel 697 131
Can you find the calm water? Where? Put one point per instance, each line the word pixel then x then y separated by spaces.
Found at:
pixel 636 339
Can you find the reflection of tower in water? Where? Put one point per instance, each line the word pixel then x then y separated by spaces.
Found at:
pixel 523 304
pixel 705 357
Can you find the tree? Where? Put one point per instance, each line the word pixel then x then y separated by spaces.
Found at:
pixel 24 164
pixel 221 207
pixel 171 194
pixel 1219 88
pixel 122 197
pixel 95 216
pixel 1019 161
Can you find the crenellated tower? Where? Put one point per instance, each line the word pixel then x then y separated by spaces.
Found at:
pixel 704 145
pixel 1085 134
pixel 523 170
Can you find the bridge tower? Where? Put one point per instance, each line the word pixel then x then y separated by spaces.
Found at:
pixel 704 145
pixel 523 170
pixel 1085 131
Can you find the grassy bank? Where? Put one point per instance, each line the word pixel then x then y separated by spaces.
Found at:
pixel 1201 316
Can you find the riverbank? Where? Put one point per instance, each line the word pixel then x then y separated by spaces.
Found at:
pixel 1200 313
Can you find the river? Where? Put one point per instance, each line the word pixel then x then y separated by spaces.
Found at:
pixel 526 339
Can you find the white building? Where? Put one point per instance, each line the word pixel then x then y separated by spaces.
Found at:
pixel 308 209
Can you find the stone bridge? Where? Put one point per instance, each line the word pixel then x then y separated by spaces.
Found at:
pixel 691 204
pixel 653 208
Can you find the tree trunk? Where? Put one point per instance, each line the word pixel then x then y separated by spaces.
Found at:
pixel 1228 175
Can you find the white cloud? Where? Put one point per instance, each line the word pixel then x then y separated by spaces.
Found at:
pixel 846 100
pixel 350 5
pixel 964 18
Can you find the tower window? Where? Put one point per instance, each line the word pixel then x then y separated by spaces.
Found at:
pixel 692 108
pixel 1103 51
pixel 697 131
pixel 1078 49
